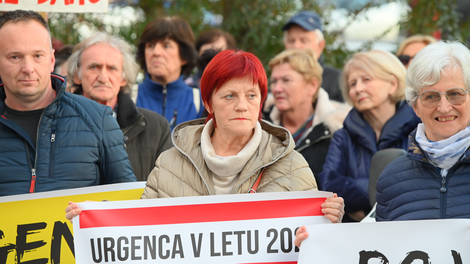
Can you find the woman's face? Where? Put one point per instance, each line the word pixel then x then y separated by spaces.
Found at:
pixel 412 49
pixel 444 120
pixel 236 107
pixel 163 61
pixel 367 93
pixel 290 89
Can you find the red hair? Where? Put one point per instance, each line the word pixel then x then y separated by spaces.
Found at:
pixel 231 64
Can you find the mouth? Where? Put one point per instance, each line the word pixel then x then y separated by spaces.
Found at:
pixel 240 119
pixel 445 119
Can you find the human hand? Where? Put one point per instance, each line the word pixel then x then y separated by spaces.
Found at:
pixel 333 208
pixel 300 235
pixel 71 211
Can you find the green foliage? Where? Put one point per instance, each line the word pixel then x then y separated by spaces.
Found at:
pixel 256 24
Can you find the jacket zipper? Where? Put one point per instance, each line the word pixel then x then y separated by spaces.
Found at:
pixel 443 191
pixel 164 100
pixel 51 161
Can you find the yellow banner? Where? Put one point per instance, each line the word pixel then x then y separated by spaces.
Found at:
pixel 33 228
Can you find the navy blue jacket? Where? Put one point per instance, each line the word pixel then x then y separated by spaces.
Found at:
pixel 79 144
pixel 347 165
pixel 177 106
pixel 410 188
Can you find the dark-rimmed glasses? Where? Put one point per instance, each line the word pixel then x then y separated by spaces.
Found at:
pixel 405 59
pixel 431 98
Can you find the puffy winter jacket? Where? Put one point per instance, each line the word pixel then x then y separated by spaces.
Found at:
pixel 182 171
pixel 347 165
pixel 79 144
pixel 410 188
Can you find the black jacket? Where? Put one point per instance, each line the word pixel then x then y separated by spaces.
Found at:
pixel 146 134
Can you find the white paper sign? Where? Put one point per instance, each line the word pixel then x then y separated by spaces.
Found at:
pixel 401 242
pixel 243 228
pixel 69 6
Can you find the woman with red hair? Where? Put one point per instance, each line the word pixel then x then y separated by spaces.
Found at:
pixel 233 151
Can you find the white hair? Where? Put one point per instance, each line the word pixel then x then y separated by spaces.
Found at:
pixel 431 61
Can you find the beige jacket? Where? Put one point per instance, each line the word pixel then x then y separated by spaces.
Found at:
pixel 182 171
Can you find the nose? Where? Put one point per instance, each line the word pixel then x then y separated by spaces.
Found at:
pixel 103 75
pixel 296 44
pixel 28 66
pixel 157 48
pixel 360 87
pixel 276 87
pixel 444 105
pixel 241 106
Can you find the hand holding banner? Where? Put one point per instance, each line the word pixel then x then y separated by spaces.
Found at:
pixel 242 228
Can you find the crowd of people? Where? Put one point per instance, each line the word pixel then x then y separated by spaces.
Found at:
pixel 227 127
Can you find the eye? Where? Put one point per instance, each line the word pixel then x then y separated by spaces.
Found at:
pixel 353 84
pixel 252 96
pixel 150 45
pixel 229 96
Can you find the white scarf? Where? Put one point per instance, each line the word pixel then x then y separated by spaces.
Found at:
pixel 445 153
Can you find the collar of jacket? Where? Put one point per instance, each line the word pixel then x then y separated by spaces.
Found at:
pixel 127 112
pixel 276 142
pixel 397 127
pixel 57 83
pixel 173 89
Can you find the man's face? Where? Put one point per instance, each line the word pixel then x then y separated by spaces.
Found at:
pixel 26 61
pixel 298 38
pixel 102 76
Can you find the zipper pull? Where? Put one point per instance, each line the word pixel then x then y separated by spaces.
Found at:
pixel 443 188
pixel 53 138
pixel 33 181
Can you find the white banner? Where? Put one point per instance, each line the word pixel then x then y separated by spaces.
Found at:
pixel 401 242
pixel 69 6
pixel 243 228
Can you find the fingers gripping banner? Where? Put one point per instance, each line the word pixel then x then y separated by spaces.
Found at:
pixel 243 228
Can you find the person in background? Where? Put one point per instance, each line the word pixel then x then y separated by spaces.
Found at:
pixel 411 46
pixel 61 63
pixel 374 83
pixel 305 31
pixel 166 52
pixel 215 39
pixel 102 68
pixel 233 151
pixel 50 139
pixel 433 180
pixel 302 106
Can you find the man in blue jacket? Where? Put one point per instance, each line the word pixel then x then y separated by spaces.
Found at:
pixel 49 139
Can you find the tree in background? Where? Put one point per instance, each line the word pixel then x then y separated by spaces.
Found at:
pixel 256 24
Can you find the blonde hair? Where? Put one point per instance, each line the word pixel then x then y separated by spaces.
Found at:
pixel 378 64
pixel 415 38
pixel 302 61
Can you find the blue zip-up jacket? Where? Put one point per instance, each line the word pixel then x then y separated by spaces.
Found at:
pixel 79 144
pixel 411 188
pixel 177 106
pixel 347 165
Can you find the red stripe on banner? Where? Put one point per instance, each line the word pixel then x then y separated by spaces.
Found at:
pixel 199 213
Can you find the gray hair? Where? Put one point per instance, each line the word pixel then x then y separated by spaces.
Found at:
pixel 129 65
pixel 318 32
pixel 431 61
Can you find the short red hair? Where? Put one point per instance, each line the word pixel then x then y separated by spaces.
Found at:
pixel 231 64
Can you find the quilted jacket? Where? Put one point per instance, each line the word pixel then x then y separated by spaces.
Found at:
pixel 182 171
pixel 410 188
pixel 347 165
pixel 79 144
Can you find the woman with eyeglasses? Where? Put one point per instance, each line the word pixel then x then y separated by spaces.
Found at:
pixel 433 180
pixel 374 83
pixel 411 46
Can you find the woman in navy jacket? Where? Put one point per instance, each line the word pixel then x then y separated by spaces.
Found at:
pixel 432 181
pixel 374 83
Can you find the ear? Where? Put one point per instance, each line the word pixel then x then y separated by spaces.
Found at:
pixel 320 48
pixel 52 60
pixel 123 82
pixel 393 85
pixel 312 87
pixel 416 108
pixel 183 62
pixel 76 79
pixel 208 108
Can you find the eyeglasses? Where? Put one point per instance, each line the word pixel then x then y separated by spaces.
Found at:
pixel 405 59
pixel 431 98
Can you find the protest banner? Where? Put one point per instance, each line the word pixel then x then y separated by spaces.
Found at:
pixel 68 6
pixel 242 228
pixel 401 242
pixel 33 226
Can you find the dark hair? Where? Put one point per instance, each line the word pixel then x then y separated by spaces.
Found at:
pixel 205 58
pixel 228 65
pixel 176 29
pixel 62 55
pixel 212 35
pixel 23 16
